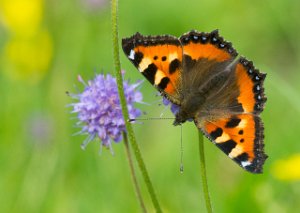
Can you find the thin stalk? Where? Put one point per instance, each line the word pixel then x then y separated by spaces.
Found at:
pixel 133 175
pixel 131 136
pixel 203 174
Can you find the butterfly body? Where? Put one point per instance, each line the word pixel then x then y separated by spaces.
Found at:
pixel 199 73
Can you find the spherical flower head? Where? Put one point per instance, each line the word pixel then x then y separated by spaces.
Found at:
pixel 99 110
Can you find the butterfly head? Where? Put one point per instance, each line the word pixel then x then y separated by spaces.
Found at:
pixel 191 103
pixel 180 118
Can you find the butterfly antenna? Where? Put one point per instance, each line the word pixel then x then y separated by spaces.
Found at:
pixel 181 150
pixel 148 119
pixel 163 111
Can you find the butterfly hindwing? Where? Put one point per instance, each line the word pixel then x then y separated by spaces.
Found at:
pixel 159 59
pixel 240 137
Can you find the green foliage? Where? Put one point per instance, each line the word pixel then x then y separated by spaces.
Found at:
pixel 42 166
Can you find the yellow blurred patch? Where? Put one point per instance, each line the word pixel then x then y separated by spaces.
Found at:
pixel 21 17
pixel 28 58
pixel 287 169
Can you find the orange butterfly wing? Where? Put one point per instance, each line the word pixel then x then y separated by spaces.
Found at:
pixel 159 59
pixel 241 138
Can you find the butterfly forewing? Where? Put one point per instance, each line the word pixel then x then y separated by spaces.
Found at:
pixel 205 55
pixel 159 59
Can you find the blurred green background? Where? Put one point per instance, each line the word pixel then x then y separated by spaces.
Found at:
pixel 45 44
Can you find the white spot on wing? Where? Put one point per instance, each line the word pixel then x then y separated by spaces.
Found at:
pixel 131 55
pixel 245 163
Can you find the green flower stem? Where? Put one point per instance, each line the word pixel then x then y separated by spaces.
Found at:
pixel 203 174
pixel 133 175
pixel 131 136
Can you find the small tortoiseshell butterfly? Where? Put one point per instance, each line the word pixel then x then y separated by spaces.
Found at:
pixel 199 73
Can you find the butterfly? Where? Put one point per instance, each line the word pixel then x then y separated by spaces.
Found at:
pixel 223 94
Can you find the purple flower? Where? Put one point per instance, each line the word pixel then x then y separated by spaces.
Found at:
pixel 94 5
pixel 174 108
pixel 40 128
pixel 99 110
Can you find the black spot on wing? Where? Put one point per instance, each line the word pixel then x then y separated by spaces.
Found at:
pixel 236 107
pixel 138 56
pixel 216 133
pixel 174 65
pixel 242 157
pixel 163 83
pixel 227 146
pixel 150 72
pixel 233 122
pixel 189 63
pixel 127 45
